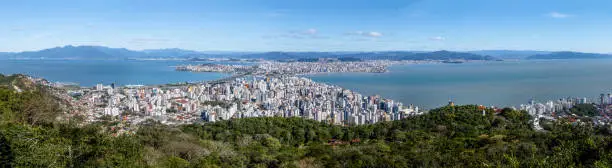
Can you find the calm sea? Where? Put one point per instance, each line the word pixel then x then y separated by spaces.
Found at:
pixel 120 72
pixel 507 83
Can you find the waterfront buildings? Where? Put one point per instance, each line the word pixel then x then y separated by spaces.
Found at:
pixel 294 68
pixel 552 110
pixel 272 89
pixel 252 96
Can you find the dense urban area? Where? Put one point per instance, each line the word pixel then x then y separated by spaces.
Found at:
pixel 305 84
pixel 289 68
pixel 266 115
pixel 263 90
pixel 272 89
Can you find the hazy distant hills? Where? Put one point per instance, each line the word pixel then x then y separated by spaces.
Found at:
pixel 106 53
pixel 100 53
pixel 310 55
pixel 68 52
pixel 528 54
pixel 447 55
pixel 288 55
pixel 570 55
pixel 509 54
pixel 170 51
pixel 390 55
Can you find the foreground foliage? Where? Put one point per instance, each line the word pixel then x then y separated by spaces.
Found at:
pixel 446 137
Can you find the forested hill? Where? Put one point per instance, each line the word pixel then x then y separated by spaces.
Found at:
pixel 446 137
pixel 16 82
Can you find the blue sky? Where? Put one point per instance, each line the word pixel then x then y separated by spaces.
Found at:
pixel 309 25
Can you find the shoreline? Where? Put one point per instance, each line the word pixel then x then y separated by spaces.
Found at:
pixel 234 82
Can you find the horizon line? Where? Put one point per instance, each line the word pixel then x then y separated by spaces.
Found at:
pixel 267 51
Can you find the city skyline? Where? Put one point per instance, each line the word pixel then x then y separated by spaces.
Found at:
pixel 305 83
pixel 259 26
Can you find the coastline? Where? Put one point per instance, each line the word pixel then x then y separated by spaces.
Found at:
pixel 250 81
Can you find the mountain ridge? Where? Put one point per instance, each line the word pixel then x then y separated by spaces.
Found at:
pixel 509 54
pixel 570 55
pixel 108 53
pixel 97 52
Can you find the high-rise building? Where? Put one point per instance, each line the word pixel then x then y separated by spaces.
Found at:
pixel 99 87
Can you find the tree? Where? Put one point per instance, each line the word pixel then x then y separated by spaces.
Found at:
pixel 175 162
pixel 6 154
pixel 584 110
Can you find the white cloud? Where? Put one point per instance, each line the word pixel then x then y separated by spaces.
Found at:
pixel 372 34
pixel 355 33
pixel 437 38
pixel 302 34
pixel 558 15
pixel 310 31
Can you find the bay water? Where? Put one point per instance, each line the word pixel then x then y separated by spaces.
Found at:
pixel 121 72
pixel 505 83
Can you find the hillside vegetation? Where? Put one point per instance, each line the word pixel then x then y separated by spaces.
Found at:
pixel 457 136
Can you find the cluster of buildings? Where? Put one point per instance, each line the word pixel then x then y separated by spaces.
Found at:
pixel 552 110
pixel 214 68
pixel 252 96
pixel 548 110
pixel 324 67
pixel 268 95
pixel 272 89
pixel 294 68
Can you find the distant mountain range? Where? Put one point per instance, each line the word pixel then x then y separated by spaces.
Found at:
pixel 169 52
pixel 447 55
pixel 106 53
pixel 310 55
pixel 288 55
pixel 509 54
pixel 570 55
pixel 390 55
